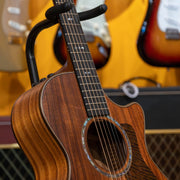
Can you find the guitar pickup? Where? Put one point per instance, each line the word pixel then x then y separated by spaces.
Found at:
pixel 172 34
pixel 17 26
pixel 14 10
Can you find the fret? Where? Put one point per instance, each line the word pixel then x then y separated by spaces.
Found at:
pixel 89 83
pixel 71 24
pixel 97 109
pixel 84 52
pixel 79 61
pixel 96 106
pixel 93 90
pixel 83 60
pixel 74 34
pixel 87 74
pixel 89 93
pixel 97 103
pixel 94 97
pixel 77 43
pixel 88 78
pixel 85 71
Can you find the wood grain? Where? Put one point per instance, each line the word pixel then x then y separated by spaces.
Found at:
pixel 48 120
pixel 40 146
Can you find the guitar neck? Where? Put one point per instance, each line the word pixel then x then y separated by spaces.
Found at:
pixel 91 90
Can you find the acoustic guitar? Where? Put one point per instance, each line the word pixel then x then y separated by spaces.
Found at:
pixel 69 129
pixel 96 33
pixel 14 25
pixel 159 38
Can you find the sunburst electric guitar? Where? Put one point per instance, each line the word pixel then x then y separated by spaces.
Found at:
pixel 13 27
pixel 69 129
pixel 96 33
pixel 159 38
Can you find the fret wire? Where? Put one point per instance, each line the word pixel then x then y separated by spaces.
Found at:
pixel 67 24
pixel 86 76
pixel 97 109
pixel 88 68
pixel 95 103
pixel 97 90
pixel 84 52
pixel 74 34
pixel 93 97
pixel 80 60
pixel 89 83
pixel 72 43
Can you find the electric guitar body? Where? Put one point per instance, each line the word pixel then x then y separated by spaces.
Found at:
pixel 96 33
pixel 14 17
pixel 159 38
pixel 69 129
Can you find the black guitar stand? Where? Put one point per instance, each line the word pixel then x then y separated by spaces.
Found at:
pixel 52 15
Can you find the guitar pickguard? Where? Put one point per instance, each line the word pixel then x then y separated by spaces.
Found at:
pixel 98 25
pixel 168 13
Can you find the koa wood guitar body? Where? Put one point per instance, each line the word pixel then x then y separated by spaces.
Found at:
pixel 159 38
pixel 69 129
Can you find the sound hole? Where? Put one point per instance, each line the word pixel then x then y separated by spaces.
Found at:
pixel 106 145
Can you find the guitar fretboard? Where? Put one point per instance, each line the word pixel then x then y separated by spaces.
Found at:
pixel 91 90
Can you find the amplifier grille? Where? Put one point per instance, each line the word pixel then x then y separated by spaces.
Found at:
pixel 14 165
pixel 165 151
pixel 163 148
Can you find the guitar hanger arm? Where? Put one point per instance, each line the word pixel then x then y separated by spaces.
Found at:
pixel 99 10
pixel 53 12
pixel 31 62
pixel 52 19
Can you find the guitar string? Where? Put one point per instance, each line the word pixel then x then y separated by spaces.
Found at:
pixel 114 135
pixel 93 118
pixel 93 92
pixel 108 129
pixel 81 65
pixel 88 100
pixel 95 124
pixel 106 132
pixel 117 137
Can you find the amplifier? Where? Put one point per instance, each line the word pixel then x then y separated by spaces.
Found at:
pixel 160 105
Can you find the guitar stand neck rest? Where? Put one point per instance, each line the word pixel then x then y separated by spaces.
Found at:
pixel 52 15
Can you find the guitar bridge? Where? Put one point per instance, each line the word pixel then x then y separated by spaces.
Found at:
pixel 172 34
